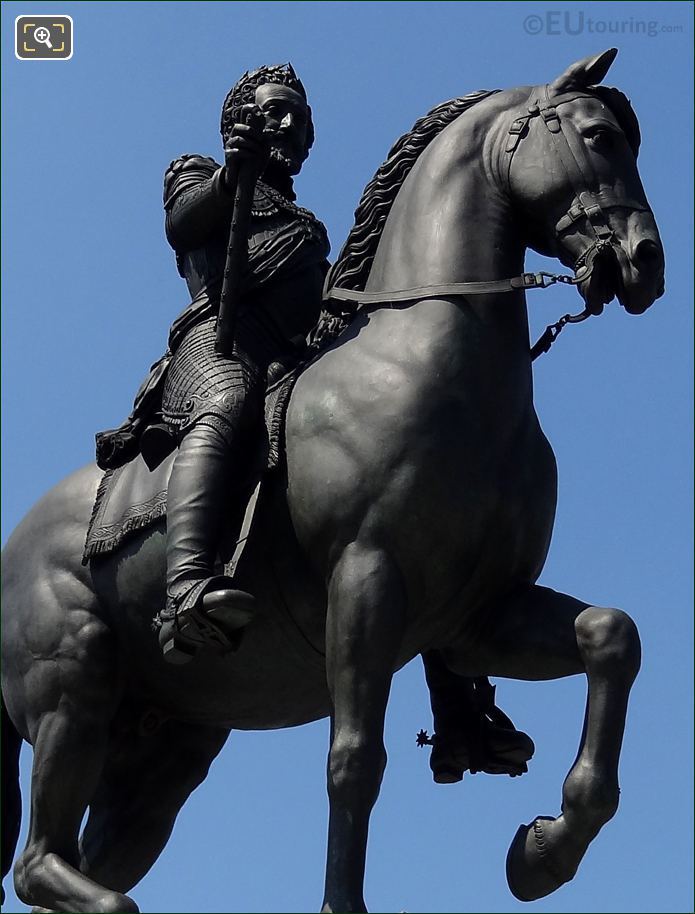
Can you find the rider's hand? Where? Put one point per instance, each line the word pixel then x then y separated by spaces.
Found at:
pixel 246 143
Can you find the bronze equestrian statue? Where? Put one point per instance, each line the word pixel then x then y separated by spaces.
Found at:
pixel 413 513
pixel 210 405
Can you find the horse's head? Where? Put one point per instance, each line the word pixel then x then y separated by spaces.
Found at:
pixel 571 160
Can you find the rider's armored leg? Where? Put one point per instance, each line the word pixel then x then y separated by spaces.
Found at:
pixel 214 405
pixel 202 605
pixel 471 733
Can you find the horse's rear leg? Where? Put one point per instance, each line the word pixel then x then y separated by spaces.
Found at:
pixel 11 796
pixel 364 631
pixel 154 770
pixel 73 697
pixel 545 635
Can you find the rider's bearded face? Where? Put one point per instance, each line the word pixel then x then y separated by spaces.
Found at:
pixel 287 117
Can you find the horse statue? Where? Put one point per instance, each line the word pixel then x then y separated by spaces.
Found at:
pixel 414 512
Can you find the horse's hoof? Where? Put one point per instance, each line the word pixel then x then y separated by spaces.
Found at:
pixel 533 870
pixel 115 903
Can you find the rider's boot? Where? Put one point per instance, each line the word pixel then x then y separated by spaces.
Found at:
pixel 202 607
pixel 470 732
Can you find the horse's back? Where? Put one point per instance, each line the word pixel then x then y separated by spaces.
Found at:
pixel 50 538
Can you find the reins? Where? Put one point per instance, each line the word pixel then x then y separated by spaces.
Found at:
pixel 540 280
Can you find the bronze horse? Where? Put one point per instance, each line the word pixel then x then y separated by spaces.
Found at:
pixel 416 512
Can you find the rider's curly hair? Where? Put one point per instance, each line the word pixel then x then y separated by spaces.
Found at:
pixel 244 93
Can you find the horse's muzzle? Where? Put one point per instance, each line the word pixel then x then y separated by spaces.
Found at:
pixel 641 276
pixel 636 280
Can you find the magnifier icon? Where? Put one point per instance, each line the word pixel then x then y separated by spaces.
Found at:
pixel 43 36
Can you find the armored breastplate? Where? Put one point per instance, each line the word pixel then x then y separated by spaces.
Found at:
pixel 283 237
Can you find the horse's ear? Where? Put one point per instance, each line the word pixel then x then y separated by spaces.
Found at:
pixel 587 72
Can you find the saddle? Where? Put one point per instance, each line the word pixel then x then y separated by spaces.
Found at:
pixel 133 497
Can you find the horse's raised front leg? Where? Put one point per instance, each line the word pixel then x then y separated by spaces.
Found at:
pixel 364 631
pixel 540 635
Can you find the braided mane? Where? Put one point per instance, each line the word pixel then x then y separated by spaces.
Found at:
pixel 351 269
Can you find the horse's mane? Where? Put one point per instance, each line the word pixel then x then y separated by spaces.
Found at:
pixel 351 269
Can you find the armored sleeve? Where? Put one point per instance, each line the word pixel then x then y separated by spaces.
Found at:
pixel 196 202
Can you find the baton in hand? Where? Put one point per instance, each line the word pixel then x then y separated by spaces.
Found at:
pixel 237 250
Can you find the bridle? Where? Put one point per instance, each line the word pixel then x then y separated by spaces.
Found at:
pixel 589 204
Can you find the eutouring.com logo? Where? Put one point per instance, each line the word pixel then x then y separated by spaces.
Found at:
pixel 576 22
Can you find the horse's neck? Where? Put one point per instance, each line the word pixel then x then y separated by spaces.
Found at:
pixel 451 222
pixel 447 225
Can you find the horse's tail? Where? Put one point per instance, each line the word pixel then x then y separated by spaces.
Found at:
pixel 11 743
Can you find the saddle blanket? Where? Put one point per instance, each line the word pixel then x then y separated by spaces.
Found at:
pixel 133 497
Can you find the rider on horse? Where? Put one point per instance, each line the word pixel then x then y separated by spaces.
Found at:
pixel 211 405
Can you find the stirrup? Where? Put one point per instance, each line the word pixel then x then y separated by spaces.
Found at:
pixel 217 620
pixel 504 751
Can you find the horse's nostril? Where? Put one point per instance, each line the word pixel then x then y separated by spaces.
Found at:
pixel 647 251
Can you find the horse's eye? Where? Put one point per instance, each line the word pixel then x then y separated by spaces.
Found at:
pixel 601 139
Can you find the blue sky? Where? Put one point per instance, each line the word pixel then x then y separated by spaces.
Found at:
pixel 89 291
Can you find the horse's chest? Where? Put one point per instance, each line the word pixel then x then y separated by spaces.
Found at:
pixel 475 505
pixel 442 464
